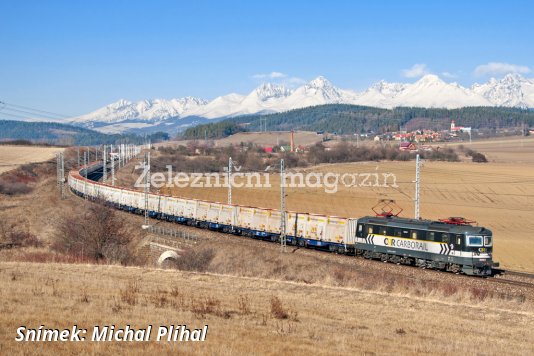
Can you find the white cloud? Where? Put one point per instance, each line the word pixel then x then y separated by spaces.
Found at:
pixel 497 68
pixel 279 78
pixel 449 75
pixel 416 71
pixel 296 81
pixel 277 75
pixel 272 75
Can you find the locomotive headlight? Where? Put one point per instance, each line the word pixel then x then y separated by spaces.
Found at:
pixel 482 249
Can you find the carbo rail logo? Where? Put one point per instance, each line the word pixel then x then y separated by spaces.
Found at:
pixel 408 244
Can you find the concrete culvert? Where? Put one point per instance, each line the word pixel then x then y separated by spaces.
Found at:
pixel 168 258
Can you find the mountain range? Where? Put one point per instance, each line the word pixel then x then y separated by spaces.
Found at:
pixel 429 92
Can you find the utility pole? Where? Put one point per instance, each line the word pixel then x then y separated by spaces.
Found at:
pixel 118 156
pixel 417 183
pixel 112 166
pixel 229 181
pixel 61 173
pixel 62 182
pixel 85 175
pixel 283 240
pixel 263 124
pixel 85 164
pixel 147 185
pixel 58 167
pixel 104 166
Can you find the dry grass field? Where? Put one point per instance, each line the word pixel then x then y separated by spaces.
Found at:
pixel 498 194
pixel 510 149
pixel 312 319
pixel 13 156
pixel 330 304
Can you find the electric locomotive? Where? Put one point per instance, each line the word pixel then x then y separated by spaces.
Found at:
pixel 451 245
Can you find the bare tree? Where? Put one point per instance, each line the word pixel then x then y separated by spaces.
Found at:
pixel 96 233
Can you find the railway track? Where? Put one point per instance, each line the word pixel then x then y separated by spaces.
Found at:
pixel 498 278
pixel 499 275
pixel 519 274
pixel 513 282
pixel 503 276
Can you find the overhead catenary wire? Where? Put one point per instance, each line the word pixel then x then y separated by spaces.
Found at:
pixel 32 111
pixel 8 111
pixel 11 115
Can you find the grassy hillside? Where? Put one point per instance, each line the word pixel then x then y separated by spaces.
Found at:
pixel 248 315
pixel 347 119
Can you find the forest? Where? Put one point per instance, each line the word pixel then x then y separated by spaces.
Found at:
pixel 67 135
pixel 347 119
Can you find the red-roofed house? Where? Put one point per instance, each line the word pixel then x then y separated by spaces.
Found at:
pixel 408 146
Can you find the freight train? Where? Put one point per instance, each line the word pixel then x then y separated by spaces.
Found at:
pixel 447 246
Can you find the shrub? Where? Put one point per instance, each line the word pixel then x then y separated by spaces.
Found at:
pixel 480 294
pixel 479 158
pixel 129 294
pixel 208 305
pixel 195 260
pixel 14 188
pixel 277 309
pixel 243 304
pixel 25 239
pixel 96 232
pixel 446 154
pixel 159 298
pixel 340 275
pixel 475 156
pixel 18 234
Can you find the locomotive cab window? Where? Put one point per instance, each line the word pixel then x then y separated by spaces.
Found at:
pixel 487 241
pixel 360 230
pixel 474 240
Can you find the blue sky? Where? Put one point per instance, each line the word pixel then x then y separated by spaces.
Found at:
pixel 72 57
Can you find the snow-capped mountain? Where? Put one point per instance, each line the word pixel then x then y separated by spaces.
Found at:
pixel 221 106
pixel 144 110
pixel 429 91
pixel 513 90
pixel 317 92
pixel 264 99
pixel 381 94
